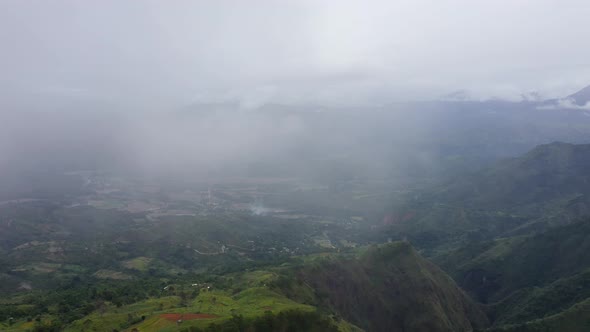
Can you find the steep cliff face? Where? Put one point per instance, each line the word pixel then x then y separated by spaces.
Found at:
pixel 392 288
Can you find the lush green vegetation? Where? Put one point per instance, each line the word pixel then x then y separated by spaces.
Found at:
pixel 534 267
pixel 574 319
pixel 513 237
pixel 300 294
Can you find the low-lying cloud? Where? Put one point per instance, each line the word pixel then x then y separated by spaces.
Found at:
pixel 565 103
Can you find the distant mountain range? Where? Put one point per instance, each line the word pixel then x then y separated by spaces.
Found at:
pixel 575 100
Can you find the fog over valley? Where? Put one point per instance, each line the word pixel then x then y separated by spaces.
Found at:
pixel 304 165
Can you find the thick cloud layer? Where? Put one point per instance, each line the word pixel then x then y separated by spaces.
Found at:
pixel 138 55
pixel 305 89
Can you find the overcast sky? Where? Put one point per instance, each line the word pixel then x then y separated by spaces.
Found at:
pixel 167 54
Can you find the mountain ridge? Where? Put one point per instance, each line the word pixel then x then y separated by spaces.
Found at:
pixel 581 97
pixel 391 287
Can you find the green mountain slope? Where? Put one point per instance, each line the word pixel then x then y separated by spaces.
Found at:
pixel 391 288
pixel 546 173
pixel 497 268
pixel 546 187
pixel 531 303
pixel 529 277
pixel 514 236
pixel 574 319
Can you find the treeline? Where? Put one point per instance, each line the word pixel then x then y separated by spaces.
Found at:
pixel 288 321
pixel 78 299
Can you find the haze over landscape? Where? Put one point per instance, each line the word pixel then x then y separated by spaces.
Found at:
pixel 294 166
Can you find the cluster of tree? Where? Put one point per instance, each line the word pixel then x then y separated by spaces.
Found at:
pixel 289 321
pixel 80 298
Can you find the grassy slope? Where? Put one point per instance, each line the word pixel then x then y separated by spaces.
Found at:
pixel 250 303
pixel 245 295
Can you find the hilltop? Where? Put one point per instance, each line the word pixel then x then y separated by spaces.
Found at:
pixel 391 287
